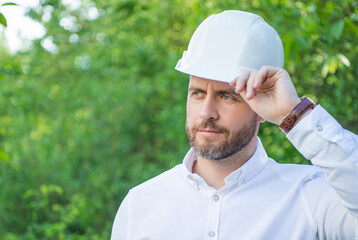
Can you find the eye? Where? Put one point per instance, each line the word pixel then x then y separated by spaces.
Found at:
pixel 196 94
pixel 226 98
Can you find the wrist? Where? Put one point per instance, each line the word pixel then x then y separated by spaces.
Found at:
pixel 299 111
pixel 289 108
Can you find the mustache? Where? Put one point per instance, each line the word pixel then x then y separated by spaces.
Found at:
pixel 211 125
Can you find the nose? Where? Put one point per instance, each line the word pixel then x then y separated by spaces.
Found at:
pixel 208 110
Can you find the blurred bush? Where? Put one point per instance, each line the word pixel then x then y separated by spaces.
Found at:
pixel 95 107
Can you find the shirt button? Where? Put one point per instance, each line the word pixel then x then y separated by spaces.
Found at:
pixel 319 128
pixel 243 181
pixel 212 234
pixel 216 197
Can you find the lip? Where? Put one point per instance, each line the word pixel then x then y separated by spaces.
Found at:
pixel 209 132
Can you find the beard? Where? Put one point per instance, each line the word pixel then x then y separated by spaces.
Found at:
pixel 234 142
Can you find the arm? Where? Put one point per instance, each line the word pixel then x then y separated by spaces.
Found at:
pixel 319 138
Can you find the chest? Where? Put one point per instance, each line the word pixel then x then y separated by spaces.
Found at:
pixel 262 212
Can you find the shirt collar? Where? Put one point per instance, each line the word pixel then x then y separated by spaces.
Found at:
pixel 241 175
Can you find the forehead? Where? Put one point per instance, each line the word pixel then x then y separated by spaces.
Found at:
pixel 206 83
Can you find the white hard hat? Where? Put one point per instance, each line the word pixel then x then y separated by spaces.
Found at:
pixel 226 44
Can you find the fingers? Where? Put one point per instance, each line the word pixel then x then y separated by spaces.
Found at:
pixel 250 91
pixel 249 82
pixel 264 73
pixel 233 82
pixel 244 84
pixel 260 77
pixel 240 82
pixel 268 71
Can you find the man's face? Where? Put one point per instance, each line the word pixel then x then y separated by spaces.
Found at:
pixel 219 122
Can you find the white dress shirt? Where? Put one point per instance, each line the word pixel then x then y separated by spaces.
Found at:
pixel 261 200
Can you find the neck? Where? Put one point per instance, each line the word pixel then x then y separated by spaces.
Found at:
pixel 214 172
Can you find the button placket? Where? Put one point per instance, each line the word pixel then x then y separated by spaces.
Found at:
pixel 214 209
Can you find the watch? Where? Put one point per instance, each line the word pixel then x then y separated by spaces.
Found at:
pixel 290 120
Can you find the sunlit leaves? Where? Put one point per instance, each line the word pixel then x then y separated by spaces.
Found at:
pixel 2 17
pixel 332 63
pixel 344 60
pixel 3 20
pixel 9 4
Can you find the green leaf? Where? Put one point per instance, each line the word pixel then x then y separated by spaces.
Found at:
pixel 332 65
pixel 3 20
pixel 4 156
pixel 302 42
pixel 9 4
pixel 344 60
pixel 288 42
pixel 354 17
pixel 325 70
pixel 337 29
pixel 353 27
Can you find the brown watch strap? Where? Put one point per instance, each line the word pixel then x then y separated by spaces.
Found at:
pixel 290 120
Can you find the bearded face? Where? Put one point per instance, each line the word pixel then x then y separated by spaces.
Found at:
pixel 229 142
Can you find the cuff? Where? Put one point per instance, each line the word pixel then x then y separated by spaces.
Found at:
pixel 312 133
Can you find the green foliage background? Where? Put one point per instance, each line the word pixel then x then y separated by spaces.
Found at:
pixel 106 110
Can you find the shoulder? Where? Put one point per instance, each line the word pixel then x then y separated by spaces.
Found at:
pixel 294 172
pixel 307 180
pixel 160 182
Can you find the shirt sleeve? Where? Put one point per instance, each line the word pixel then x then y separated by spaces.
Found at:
pixel 121 221
pixel 322 140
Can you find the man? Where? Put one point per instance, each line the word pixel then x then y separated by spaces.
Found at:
pixel 227 187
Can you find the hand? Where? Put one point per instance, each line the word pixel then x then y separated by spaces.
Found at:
pixel 269 92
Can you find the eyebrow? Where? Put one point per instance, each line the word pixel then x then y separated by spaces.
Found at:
pixel 219 92
pixel 230 92
pixel 195 89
